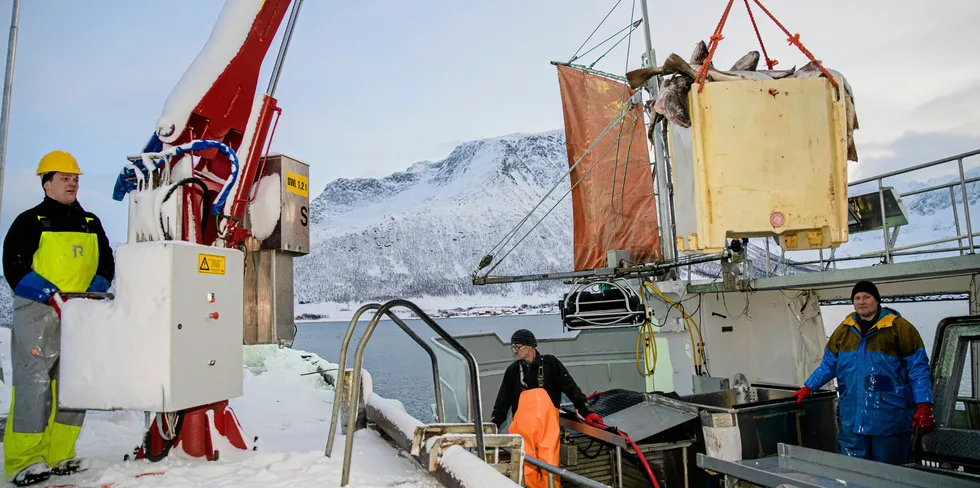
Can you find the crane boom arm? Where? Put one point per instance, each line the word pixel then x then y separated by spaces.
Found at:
pixel 215 100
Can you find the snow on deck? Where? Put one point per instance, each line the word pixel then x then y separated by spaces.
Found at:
pixel 286 408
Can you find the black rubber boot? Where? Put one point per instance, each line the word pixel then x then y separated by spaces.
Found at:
pixel 32 474
pixel 69 467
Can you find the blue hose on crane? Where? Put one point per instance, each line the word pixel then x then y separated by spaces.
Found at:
pixel 154 146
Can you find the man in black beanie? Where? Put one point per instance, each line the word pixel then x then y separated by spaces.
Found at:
pixel 531 389
pixel 883 377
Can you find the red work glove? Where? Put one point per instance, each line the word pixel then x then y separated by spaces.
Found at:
pixel 594 418
pixel 923 421
pixel 802 393
pixel 55 301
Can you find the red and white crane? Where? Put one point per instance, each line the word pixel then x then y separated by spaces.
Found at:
pixel 210 142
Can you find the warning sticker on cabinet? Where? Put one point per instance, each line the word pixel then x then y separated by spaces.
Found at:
pixel 210 264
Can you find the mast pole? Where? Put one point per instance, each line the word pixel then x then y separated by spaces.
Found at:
pixel 7 87
pixel 667 240
pixel 281 57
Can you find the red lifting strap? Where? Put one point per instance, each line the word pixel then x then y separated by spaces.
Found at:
pixel 712 45
pixel 769 62
pixel 794 39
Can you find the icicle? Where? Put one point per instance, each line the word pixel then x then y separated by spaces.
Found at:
pixel 148 164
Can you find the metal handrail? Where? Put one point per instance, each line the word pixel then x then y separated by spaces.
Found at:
pixel 911 250
pixel 890 251
pixel 474 391
pixel 961 183
pixel 440 410
pixel 966 202
pixel 915 168
pixel 938 187
pixel 342 366
pixel 918 252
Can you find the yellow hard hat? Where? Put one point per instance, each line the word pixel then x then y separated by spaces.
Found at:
pixel 58 161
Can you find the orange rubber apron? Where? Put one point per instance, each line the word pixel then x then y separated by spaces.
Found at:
pixel 536 420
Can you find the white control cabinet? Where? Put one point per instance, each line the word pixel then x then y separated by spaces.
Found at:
pixel 171 339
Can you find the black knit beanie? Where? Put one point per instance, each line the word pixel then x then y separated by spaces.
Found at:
pixel 866 287
pixel 523 337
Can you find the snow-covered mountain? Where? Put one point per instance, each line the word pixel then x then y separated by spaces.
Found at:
pixel 422 232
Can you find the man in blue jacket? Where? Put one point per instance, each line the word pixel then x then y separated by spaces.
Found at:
pixel 883 379
pixel 56 247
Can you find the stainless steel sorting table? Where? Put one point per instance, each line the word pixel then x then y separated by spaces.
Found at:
pixel 809 468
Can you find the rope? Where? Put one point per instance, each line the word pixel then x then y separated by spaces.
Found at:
pixel 632 27
pixel 769 62
pixel 794 39
pixel 599 159
pixel 622 190
pixel 712 45
pixel 619 117
pixel 619 140
pixel 500 260
pixel 575 56
pixel 603 42
pixel 612 191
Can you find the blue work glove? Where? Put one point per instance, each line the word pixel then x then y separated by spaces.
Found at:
pixel 98 285
pixel 35 287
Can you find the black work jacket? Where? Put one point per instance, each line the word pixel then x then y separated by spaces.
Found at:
pixel 24 236
pixel 556 381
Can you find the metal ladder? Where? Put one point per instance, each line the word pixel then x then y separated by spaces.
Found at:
pixel 473 394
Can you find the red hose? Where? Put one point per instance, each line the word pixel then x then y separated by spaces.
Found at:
pixel 636 449
pixel 643 459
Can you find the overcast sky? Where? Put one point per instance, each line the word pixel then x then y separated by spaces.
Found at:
pixel 371 87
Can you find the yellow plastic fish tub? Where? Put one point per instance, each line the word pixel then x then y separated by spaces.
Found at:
pixel 770 159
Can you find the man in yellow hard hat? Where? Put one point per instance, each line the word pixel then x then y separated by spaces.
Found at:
pixel 56 247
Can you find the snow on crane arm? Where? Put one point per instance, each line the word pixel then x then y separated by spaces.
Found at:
pixel 227 38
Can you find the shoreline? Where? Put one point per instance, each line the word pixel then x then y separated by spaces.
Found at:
pixel 435 307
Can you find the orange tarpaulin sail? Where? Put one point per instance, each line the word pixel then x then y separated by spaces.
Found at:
pixel 590 103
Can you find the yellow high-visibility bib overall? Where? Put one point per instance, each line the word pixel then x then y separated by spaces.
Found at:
pixel 37 430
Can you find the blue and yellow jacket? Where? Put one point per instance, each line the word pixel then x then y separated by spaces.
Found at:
pixel 57 247
pixel 880 377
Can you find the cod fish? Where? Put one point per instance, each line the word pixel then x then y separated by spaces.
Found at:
pixel 672 102
pixel 674 65
pixel 749 62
